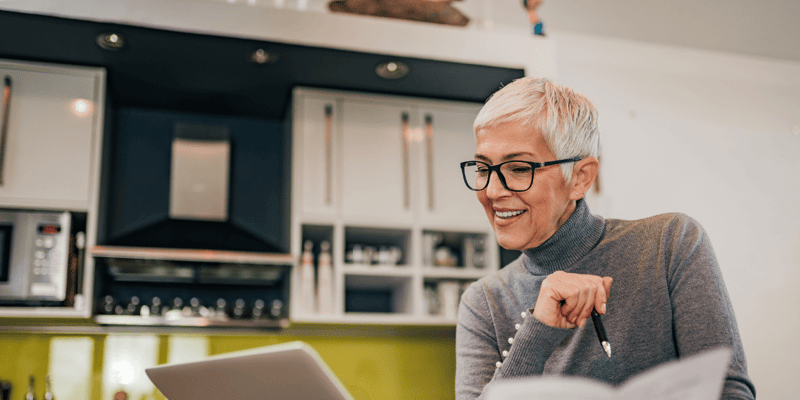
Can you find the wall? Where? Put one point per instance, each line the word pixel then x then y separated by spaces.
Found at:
pixel 381 366
pixel 716 136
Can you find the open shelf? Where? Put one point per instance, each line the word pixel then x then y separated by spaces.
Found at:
pixel 377 270
pixel 463 250
pixel 387 295
pixel 442 296
pixel 377 246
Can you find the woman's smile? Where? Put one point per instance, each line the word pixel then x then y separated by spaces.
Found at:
pixel 508 214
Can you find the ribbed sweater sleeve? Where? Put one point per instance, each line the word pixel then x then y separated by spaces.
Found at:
pixel 702 314
pixel 533 344
pixel 480 359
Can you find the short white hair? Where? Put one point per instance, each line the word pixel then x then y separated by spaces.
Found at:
pixel 566 119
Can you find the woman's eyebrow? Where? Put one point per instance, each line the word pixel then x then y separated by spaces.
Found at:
pixel 515 155
pixel 507 157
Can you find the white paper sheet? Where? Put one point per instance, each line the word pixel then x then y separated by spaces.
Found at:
pixel 699 377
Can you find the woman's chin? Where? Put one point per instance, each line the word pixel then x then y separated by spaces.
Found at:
pixel 509 242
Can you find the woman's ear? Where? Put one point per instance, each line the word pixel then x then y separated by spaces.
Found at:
pixel 584 174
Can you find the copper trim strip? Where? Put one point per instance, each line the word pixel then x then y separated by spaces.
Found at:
pixel 406 165
pixel 4 125
pixel 429 145
pixel 328 154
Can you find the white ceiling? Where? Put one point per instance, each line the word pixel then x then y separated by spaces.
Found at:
pixel 763 28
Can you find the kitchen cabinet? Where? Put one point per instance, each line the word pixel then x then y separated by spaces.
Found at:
pixel 51 123
pixel 51 119
pixel 386 157
pixel 313 133
pixel 447 141
pixel 377 156
pixel 401 161
pixel 377 177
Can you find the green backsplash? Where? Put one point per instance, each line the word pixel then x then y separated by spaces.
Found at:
pixel 372 365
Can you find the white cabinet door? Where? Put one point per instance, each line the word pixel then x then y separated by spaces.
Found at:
pixel 316 157
pixel 52 120
pixel 449 140
pixel 378 172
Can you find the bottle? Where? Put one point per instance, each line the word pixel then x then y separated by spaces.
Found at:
pixel 5 390
pixel 307 293
pixel 48 395
pixel 30 395
pixel 325 280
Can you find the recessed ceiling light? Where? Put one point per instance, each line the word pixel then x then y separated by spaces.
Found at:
pixel 110 41
pixel 392 70
pixel 262 57
pixel 81 107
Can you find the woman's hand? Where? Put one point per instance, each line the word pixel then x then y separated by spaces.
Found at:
pixel 567 300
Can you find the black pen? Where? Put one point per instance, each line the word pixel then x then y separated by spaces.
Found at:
pixel 601 332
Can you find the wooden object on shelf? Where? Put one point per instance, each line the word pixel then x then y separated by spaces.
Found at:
pixel 433 11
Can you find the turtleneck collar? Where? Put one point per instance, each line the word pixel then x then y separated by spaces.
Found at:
pixel 570 243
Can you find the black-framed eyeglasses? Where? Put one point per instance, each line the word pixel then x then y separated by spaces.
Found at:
pixel 516 176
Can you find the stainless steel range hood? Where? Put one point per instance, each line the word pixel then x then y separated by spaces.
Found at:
pixel 199 173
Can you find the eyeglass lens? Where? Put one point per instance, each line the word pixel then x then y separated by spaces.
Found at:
pixel 518 175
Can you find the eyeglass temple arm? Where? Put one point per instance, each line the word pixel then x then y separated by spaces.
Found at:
pixel 566 160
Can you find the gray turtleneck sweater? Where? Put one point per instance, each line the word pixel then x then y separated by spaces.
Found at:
pixel 668 300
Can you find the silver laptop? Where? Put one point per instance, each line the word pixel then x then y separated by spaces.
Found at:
pixel 289 371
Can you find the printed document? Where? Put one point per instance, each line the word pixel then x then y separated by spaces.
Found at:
pixel 699 377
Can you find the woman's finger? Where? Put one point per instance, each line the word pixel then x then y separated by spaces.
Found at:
pixel 607 281
pixel 589 305
pixel 603 294
pixel 581 296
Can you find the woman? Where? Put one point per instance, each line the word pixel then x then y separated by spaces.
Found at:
pixel 530 318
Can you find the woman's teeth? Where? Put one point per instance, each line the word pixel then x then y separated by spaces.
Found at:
pixel 508 214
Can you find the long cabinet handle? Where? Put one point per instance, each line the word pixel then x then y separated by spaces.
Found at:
pixel 4 125
pixel 406 164
pixel 328 154
pixel 429 148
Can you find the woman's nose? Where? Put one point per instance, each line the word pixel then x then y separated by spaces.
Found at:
pixel 496 189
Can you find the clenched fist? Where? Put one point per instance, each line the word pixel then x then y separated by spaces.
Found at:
pixel 566 300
